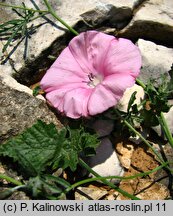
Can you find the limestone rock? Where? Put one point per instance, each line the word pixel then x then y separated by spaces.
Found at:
pixel 89 193
pixel 106 162
pixel 156 191
pixel 12 83
pixel 125 151
pixel 123 102
pixel 153 21
pixel 103 127
pixel 19 110
pixel 115 13
pixel 29 57
pixel 146 190
pixel 156 60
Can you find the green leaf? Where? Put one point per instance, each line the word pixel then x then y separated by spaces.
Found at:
pixel 58 180
pixel 12 37
pixel 36 91
pixel 47 186
pixel 43 146
pixel 34 149
pixel 131 101
pixel 77 141
pixel 35 186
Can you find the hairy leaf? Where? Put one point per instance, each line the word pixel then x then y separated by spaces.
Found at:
pixel 43 145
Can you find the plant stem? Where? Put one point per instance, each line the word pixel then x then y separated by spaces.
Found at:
pixel 41 15
pixel 161 119
pixel 140 136
pixel 11 180
pixel 113 177
pixel 83 164
pixel 164 126
pixel 8 192
pixel 144 140
pixel 23 8
pixel 141 83
pixel 52 12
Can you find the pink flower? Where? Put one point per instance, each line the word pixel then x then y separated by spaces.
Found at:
pixel 91 74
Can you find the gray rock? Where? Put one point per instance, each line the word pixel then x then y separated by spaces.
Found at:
pixel 156 60
pixel 153 21
pixel 29 58
pixel 124 101
pixel 116 13
pixel 103 127
pixel 20 110
pixel 106 162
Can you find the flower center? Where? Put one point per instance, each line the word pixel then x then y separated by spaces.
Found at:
pixel 94 80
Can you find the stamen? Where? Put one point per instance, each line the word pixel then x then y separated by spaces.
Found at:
pixel 91 77
pixel 93 80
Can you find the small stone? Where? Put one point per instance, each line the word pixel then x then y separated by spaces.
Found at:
pixel 123 103
pixel 102 127
pixel 143 160
pixel 89 193
pixel 123 106
pixel 125 152
pixel 106 162
pixel 145 189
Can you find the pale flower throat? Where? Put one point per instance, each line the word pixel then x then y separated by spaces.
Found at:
pixel 94 80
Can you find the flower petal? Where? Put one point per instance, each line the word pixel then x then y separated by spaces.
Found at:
pixel 75 102
pixel 123 56
pixel 118 83
pixel 56 98
pixel 91 56
pixel 89 49
pixel 65 70
pixel 109 92
pixel 100 100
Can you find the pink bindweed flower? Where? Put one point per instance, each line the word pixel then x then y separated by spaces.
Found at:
pixel 91 74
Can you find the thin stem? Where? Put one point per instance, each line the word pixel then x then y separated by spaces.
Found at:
pixel 18 187
pixel 23 8
pixel 52 12
pixel 144 140
pixel 11 180
pixel 114 177
pixel 165 127
pixel 162 122
pixel 83 164
pixel 41 15
pixel 140 136
pixel 141 83
pixel 8 192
